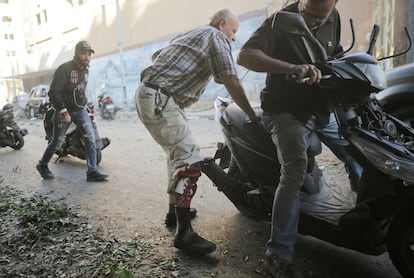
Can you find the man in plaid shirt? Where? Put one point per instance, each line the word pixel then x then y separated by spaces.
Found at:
pixel 175 80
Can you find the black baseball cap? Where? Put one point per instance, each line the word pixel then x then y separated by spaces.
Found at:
pixel 84 46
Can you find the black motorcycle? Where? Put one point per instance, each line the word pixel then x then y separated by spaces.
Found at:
pixel 398 97
pixel 11 135
pixel 374 216
pixel 74 144
pixel 107 108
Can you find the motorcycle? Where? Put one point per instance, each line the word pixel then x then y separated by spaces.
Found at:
pixel 398 98
pixel 11 135
pixel 74 143
pixel 372 217
pixel 107 108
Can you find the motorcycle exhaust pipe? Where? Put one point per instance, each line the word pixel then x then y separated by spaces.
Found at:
pixel 232 188
pixel 217 175
pixel 105 142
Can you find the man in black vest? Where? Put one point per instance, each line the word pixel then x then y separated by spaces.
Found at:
pixel 291 112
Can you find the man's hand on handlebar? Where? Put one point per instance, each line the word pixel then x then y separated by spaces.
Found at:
pixel 308 74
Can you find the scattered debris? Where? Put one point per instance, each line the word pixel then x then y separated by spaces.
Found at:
pixel 41 237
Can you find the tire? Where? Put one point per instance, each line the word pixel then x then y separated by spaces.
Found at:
pixel 18 140
pixel 400 243
pixel 405 114
pixel 256 205
pixel 234 170
pixel 31 113
pixel 111 115
pixel 98 156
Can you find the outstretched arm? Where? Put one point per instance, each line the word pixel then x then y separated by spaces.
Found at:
pixel 257 60
pixel 236 91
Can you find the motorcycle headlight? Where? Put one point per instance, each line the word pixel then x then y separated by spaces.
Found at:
pixel 374 73
pixel 385 161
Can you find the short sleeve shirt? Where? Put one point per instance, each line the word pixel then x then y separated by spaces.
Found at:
pixel 279 94
pixel 186 65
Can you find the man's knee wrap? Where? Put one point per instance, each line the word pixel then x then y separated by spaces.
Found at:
pixel 187 185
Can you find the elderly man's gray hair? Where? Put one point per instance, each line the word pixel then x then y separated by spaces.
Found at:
pixel 303 2
pixel 220 15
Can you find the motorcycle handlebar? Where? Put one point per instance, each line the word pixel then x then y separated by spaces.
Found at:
pixel 294 77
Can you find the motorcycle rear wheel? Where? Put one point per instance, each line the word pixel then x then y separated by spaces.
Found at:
pixel 252 202
pixel 400 243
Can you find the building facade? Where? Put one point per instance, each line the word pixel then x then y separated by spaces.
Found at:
pixel 38 35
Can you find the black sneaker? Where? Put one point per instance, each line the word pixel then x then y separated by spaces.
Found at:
pixel 96 176
pixel 194 244
pixel 44 171
pixel 171 221
pixel 281 269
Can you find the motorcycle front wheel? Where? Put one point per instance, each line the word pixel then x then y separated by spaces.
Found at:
pixel 400 243
pixel 98 156
pixel 405 114
pixel 17 139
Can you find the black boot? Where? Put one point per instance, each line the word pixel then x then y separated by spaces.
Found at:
pixel 188 240
pixel 170 219
pixel 44 171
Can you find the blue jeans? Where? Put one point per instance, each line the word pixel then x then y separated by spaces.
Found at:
pixel 330 136
pixel 84 123
pixel 291 138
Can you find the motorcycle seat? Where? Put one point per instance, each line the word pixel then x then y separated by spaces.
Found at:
pixel 258 135
pixel 253 133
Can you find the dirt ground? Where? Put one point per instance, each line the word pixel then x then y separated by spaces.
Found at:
pixel 133 203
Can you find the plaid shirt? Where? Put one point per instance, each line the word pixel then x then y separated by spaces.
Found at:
pixel 184 68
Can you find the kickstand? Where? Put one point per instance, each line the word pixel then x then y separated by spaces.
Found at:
pixel 59 158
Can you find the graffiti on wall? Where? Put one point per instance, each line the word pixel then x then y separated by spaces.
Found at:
pixel 106 74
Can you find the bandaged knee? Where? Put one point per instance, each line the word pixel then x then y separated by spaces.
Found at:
pixel 187 185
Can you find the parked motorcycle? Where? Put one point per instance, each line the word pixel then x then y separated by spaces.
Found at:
pixel 107 108
pixel 373 217
pixel 11 135
pixel 74 143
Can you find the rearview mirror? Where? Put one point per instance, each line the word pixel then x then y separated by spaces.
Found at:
pixel 294 24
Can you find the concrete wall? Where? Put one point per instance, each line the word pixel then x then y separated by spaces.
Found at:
pixel 147 25
pixel 360 13
pixel 148 21
pixel 157 24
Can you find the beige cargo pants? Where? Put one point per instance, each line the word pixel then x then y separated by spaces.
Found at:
pixel 171 131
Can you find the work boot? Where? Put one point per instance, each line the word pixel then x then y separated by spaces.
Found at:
pixel 170 219
pixel 44 171
pixel 96 176
pixel 188 240
pixel 278 268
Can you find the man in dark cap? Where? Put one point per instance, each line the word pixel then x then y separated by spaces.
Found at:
pixel 67 96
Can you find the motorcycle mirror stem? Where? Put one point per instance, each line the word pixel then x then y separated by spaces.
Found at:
pixel 351 23
pixel 404 51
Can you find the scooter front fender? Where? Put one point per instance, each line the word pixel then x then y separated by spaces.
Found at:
pixel 396 96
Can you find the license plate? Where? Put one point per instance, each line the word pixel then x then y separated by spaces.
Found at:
pixel 110 107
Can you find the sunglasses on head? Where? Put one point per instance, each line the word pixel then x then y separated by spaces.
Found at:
pixel 319 20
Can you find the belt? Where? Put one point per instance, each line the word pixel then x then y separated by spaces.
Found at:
pixel 157 88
